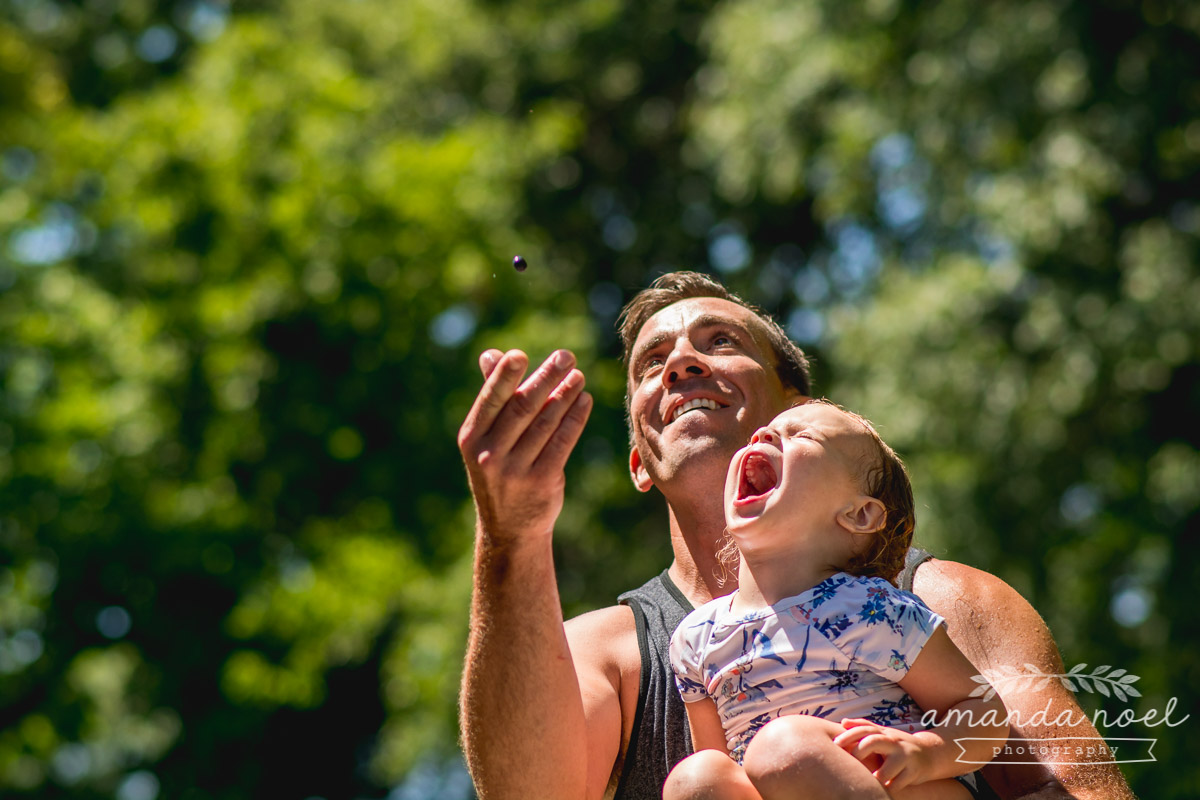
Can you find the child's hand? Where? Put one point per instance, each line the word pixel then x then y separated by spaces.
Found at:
pixel 896 758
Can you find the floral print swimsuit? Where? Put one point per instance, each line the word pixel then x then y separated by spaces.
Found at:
pixel 834 651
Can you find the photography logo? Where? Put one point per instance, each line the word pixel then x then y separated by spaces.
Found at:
pixel 1103 680
pixel 1115 683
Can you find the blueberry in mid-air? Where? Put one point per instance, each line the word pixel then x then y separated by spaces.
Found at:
pixel 519 264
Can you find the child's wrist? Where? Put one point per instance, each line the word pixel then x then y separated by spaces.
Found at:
pixel 930 740
pixel 938 756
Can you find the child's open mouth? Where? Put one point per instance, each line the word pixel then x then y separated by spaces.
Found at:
pixel 758 478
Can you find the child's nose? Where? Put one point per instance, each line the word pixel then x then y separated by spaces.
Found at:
pixel 763 435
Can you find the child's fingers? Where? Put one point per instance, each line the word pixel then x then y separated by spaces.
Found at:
pixel 903 780
pixel 890 770
pixel 855 722
pixel 876 744
pixel 849 738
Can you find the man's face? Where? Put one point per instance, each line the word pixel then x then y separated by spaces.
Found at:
pixel 701 380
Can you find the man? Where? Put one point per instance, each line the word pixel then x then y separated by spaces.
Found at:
pixel 586 709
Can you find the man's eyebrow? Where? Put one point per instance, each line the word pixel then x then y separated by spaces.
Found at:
pixel 651 343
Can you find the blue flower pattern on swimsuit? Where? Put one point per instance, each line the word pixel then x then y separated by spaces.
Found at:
pixel 839 680
pixel 893 713
pixel 763 664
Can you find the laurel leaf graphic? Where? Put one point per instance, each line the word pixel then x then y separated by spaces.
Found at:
pixel 1131 678
pixel 1102 687
pixel 1077 668
pixel 1103 669
pixel 1067 683
pixel 1118 692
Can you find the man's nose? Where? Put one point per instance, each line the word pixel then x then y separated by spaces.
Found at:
pixel 684 361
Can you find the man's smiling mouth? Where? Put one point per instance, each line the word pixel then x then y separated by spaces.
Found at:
pixel 692 405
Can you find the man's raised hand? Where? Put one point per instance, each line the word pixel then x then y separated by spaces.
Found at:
pixel 516 439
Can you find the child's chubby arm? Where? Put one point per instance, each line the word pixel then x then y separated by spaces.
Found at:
pixel 939 680
pixel 707 733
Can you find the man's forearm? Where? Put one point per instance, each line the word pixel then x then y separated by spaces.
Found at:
pixel 522 713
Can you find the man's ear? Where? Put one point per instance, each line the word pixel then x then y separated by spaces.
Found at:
pixel 867 515
pixel 637 472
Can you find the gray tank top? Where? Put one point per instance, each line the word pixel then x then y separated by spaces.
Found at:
pixel 660 737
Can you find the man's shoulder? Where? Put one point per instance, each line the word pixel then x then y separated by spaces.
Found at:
pixel 988 619
pixel 604 621
pixel 950 582
pixel 605 636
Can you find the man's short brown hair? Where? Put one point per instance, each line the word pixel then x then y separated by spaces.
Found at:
pixel 790 362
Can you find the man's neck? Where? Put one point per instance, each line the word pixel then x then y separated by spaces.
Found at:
pixel 696 536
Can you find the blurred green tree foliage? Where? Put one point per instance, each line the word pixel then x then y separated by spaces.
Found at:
pixel 248 255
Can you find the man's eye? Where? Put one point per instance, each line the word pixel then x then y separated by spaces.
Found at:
pixel 722 340
pixel 653 362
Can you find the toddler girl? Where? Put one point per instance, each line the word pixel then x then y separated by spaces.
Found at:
pixel 817 676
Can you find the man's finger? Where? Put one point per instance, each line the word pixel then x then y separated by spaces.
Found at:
pixel 528 400
pixel 497 389
pixel 554 455
pixel 488 360
pixel 543 426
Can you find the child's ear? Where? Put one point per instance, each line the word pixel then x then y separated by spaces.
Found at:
pixel 867 515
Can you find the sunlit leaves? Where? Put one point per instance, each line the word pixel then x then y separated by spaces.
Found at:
pixel 113 727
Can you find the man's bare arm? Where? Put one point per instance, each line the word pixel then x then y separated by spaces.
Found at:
pixel 995 626
pixel 609 665
pixel 523 710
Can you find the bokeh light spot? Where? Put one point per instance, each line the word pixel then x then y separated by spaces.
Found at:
pixel 113 622
pixel 453 327
pixel 140 785
pixel 157 44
